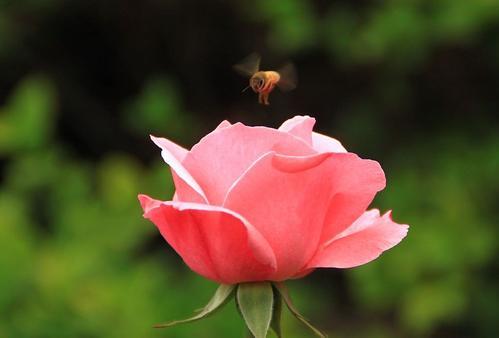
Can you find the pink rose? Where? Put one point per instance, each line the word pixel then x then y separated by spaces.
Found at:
pixel 258 204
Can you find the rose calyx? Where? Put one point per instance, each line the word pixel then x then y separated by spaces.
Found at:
pixel 258 303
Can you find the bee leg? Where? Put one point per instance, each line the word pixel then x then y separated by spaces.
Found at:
pixel 266 99
pixel 260 98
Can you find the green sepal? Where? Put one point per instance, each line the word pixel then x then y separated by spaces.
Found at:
pixel 255 302
pixel 275 324
pixel 283 291
pixel 220 298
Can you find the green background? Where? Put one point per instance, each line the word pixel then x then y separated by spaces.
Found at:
pixel 413 84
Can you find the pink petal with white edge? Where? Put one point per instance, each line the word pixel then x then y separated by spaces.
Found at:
pixel 299 126
pixel 173 149
pixel 361 243
pixel 213 241
pixel 323 143
pixel 187 189
pixel 286 199
pixel 222 156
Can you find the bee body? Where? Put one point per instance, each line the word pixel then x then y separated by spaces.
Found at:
pixel 263 82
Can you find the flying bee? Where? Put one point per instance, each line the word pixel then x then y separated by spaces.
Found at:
pixel 263 82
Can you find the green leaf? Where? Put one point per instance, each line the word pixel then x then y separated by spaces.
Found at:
pixel 221 296
pixel 255 301
pixel 283 291
pixel 275 324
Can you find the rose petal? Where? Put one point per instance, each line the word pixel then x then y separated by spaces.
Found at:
pixel 291 164
pixel 171 148
pixel 357 184
pixel 362 242
pixel 365 220
pixel 286 199
pixel 299 126
pixel 222 156
pixel 213 241
pixel 223 124
pixel 187 189
pixel 323 143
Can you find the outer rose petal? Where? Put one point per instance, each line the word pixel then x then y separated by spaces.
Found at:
pixel 357 186
pixel 362 242
pixel 214 242
pixel 222 156
pixel 170 148
pixel 286 198
pixel 300 126
pixel 187 189
pixel 323 143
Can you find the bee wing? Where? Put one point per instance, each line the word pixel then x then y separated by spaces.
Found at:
pixel 249 65
pixel 289 79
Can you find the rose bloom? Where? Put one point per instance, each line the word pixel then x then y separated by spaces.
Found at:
pixel 264 204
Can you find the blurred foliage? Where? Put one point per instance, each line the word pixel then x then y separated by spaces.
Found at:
pixel 411 83
pixel 29 109
pixel 439 265
pixel 158 110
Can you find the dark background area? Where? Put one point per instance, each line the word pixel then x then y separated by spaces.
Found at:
pixel 413 84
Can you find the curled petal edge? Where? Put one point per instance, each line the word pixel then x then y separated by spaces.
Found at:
pixel 365 240
pixel 323 143
pixel 300 127
pixel 173 155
